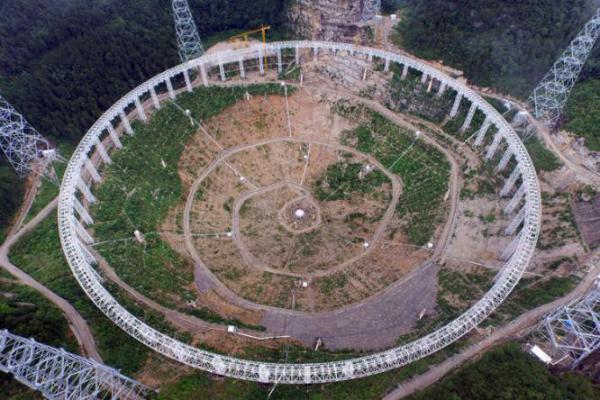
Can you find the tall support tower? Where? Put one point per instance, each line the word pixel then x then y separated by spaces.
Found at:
pixel 574 330
pixel 188 40
pixel 61 375
pixel 23 146
pixel 550 95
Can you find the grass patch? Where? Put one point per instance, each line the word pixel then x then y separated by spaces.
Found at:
pixel 342 179
pixel 39 254
pixel 583 112
pixel 424 169
pixel 543 159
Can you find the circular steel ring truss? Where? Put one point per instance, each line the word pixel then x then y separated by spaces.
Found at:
pixel 72 237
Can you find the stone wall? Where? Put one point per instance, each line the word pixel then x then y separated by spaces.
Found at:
pixel 334 20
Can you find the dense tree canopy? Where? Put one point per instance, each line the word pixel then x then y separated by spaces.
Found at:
pixel 505 44
pixel 62 62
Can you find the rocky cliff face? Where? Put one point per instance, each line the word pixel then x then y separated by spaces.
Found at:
pixel 335 20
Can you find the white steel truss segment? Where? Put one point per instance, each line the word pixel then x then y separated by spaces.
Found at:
pixel 302 373
pixel 61 375
pixel 22 145
pixel 574 330
pixel 550 95
pixel 188 39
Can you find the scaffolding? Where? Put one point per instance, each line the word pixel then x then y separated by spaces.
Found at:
pixel 188 39
pixel 551 94
pixel 58 374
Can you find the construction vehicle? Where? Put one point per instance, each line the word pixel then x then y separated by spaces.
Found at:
pixel 242 39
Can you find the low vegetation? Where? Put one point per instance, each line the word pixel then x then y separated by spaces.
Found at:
pixel 138 192
pixel 543 159
pixel 424 169
pixel 507 372
pixel 582 113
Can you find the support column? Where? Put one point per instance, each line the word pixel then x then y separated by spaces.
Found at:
pixel 125 122
pixel 516 222
pixel 89 166
pixel 242 70
pixel 424 78
pixel 469 118
pixel 140 109
pixel 113 136
pixel 222 71
pixel 369 58
pixel 261 62
pixel 155 100
pixel 279 61
pixel 441 89
pixel 515 200
pixel 315 53
pixel 87 254
pixel 82 211
pixel 170 88
pixel 494 146
pixel 364 75
pixel 510 182
pixel 297 55
pixel 456 105
pixel 85 190
pixel 512 247
pixel 102 151
pixel 81 232
pixel 504 160
pixel 203 75
pixel 404 71
pixel 386 67
pixel 482 131
pixel 430 85
pixel 186 78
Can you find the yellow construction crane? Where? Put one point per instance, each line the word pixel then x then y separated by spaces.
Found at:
pixel 242 38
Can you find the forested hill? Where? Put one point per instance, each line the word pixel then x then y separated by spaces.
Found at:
pixel 62 62
pixel 500 43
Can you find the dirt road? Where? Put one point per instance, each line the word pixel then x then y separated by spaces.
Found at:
pixel 78 325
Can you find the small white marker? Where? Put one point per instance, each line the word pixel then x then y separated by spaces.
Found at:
pixel 430 245
pixel 366 244
pixel 229 234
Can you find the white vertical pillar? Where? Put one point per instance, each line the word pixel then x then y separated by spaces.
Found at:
pixel 510 181
pixel 155 100
pixel 494 146
pixel 315 53
pixel 512 247
pixel 242 70
pixel 222 71
pixel 82 211
pixel 516 221
pixel 482 131
pixel 102 152
pixel 81 232
pixel 386 66
pixel 430 85
pixel 515 200
pixel 297 55
pixel 203 74
pixel 85 190
pixel 469 118
pixel 424 78
pixel 170 88
pixel 369 58
pixel 404 71
pixel 87 254
pixel 456 105
pixel 364 75
pixel 279 61
pixel 113 136
pixel 504 160
pixel 186 78
pixel 261 62
pixel 89 166
pixel 140 109
pixel 125 122
pixel 441 89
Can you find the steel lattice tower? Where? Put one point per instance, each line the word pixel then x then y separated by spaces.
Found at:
pixel 550 95
pixel 23 146
pixel 61 375
pixel 574 330
pixel 188 40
